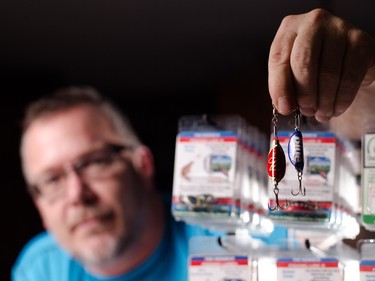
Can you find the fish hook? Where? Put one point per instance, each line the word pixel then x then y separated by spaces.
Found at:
pixel 295 153
pixel 300 191
pixel 277 206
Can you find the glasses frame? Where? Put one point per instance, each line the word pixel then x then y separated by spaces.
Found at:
pixel 80 164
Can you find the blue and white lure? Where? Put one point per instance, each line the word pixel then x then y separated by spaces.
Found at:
pixel 295 153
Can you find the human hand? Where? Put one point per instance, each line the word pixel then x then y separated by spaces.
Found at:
pixel 318 62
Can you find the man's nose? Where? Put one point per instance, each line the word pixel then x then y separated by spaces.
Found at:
pixel 77 189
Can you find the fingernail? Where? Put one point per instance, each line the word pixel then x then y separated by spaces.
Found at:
pixel 338 112
pixel 308 111
pixel 323 118
pixel 284 105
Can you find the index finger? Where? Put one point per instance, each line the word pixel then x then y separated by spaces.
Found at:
pixel 280 80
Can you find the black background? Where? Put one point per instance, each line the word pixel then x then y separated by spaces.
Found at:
pixel 158 60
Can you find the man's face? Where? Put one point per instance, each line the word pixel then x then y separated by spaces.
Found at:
pixel 94 219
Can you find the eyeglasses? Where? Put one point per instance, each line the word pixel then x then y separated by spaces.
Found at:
pixel 97 165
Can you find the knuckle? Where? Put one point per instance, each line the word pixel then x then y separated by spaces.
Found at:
pixel 357 37
pixel 349 83
pixel 287 22
pixel 320 19
pixel 302 62
pixel 329 75
pixel 360 41
pixel 341 25
pixel 318 15
pixel 346 98
pixel 278 57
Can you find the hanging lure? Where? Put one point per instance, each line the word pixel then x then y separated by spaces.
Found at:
pixel 295 153
pixel 276 164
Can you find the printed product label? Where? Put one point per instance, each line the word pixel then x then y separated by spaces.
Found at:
pixel 318 178
pixel 368 184
pixel 369 150
pixel 219 268
pixel 293 269
pixel 367 270
pixel 368 179
pixel 204 171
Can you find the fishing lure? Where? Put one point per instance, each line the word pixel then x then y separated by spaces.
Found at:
pixel 276 164
pixel 295 153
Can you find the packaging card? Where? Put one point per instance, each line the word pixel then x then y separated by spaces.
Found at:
pixel 367 270
pixel 318 179
pixel 368 181
pixel 292 269
pixel 220 268
pixel 204 172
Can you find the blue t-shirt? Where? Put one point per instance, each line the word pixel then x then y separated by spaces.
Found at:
pixel 43 260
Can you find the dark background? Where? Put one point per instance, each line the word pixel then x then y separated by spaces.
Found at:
pixel 158 60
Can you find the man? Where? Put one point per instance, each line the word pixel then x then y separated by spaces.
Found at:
pixel 92 182
pixel 91 179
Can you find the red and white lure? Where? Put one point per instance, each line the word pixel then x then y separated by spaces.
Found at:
pixel 276 164
pixel 295 153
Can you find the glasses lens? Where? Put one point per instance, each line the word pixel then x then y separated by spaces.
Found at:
pixel 95 166
pixel 99 165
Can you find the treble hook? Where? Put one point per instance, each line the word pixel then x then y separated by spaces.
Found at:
pixel 277 206
pixel 300 191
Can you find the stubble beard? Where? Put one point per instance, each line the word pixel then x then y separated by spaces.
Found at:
pixel 105 251
pixel 106 245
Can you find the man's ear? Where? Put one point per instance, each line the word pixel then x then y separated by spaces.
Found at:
pixel 143 162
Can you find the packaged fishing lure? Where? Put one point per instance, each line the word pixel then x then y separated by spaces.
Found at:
pixel 213 258
pixel 295 260
pixel 348 203
pixel 240 257
pixel 206 178
pixel 316 255
pixel 219 179
pixel 253 188
pixel 368 181
pixel 309 268
pixel 366 248
pixel 248 197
